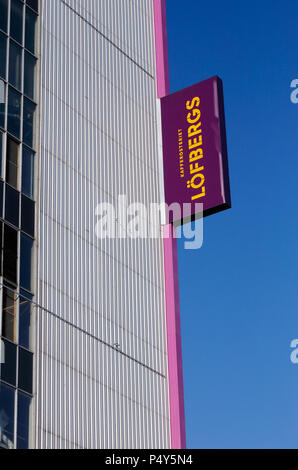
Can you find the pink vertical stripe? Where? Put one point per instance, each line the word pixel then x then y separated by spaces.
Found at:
pixel 176 393
pixel 161 47
pixel 174 340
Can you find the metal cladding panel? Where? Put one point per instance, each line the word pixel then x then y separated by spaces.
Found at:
pixel 127 24
pixel 99 139
pixel 98 399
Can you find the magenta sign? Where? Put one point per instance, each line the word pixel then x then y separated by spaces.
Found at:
pixel 195 150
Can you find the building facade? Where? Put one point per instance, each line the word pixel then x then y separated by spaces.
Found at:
pixel 90 358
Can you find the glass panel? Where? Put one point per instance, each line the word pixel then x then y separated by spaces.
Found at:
pixel 15 65
pixel 9 310
pixel 1 256
pixel 28 122
pixel 2 54
pixel 2 103
pixel 26 262
pixel 27 215
pixel 33 4
pixel 12 205
pixel 12 162
pixel 14 112
pixel 6 416
pixel 10 254
pixel 25 370
pixel 25 320
pixel 24 403
pixel 27 172
pixel 8 368
pixel 3 14
pixel 29 75
pixel 16 20
pixel 31 31
pixel 1 153
pixel 1 204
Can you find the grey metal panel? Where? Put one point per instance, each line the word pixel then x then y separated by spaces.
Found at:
pixel 95 396
pixel 127 24
pixel 99 139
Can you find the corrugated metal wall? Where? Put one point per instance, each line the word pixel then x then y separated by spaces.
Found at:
pixel 98 139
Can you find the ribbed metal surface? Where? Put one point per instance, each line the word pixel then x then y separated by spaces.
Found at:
pixel 99 139
pixel 127 24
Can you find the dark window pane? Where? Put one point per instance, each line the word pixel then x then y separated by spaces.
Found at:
pixel 12 162
pixel 1 153
pixel 26 262
pixel 2 54
pixel 24 403
pixel 31 31
pixel 3 14
pixel 8 368
pixel 29 75
pixel 25 320
pixel 16 20
pixel 9 310
pixel 15 65
pixel 29 122
pixel 7 416
pixel 12 205
pixel 1 205
pixel 2 103
pixel 27 213
pixel 1 251
pixel 27 172
pixel 10 254
pixel 14 112
pixel 25 370
pixel 33 4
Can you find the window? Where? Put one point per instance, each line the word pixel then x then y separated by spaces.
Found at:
pixel 8 368
pixel 29 75
pixel 10 254
pixel 12 198
pixel 26 262
pixel 27 213
pixel 1 207
pixel 31 31
pixel 27 172
pixel 1 254
pixel 25 320
pixel 15 65
pixel 14 112
pixel 3 15
pixel 2 103
pixel 28 122
pixel 25 370
pixel 2 54
pixel 12 162
pixel 33 4
pixel 7 400
pixel 16 20
pixel 1 153
pixel 9 309
pixel 24 403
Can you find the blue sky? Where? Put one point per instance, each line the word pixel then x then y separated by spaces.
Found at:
pixel 239 307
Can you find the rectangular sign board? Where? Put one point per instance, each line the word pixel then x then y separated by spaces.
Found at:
pixel 195 150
